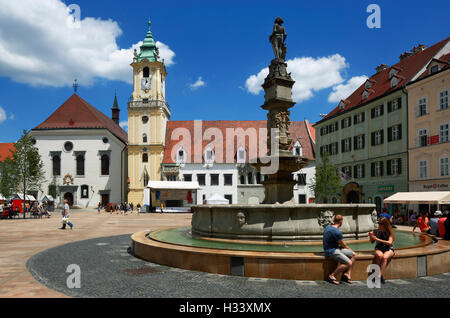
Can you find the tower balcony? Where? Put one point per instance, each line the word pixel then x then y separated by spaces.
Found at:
pixel 146 103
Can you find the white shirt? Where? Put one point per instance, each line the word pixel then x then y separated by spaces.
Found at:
pixel 66 208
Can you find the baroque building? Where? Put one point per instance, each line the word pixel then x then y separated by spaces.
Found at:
pixel 148 113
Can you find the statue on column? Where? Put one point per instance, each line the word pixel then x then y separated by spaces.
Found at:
pixel 278 39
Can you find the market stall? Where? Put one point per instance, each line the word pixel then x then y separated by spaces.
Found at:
pixel 175 196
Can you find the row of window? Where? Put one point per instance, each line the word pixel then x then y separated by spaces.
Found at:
pixel 376 111
pixel 423 138
pixel 393 168
pixel 422 103
pixel 377 138
pixel 250 178
pixel 80 165
pixel 443 168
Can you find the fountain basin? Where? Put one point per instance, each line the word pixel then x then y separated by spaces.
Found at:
pixel 271 222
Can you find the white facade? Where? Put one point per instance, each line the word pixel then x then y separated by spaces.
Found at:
pixel 92 187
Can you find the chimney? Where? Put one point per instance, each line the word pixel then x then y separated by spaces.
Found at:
pixel 381 67
pixel 405 55
pixel 115 110
pixel 418 48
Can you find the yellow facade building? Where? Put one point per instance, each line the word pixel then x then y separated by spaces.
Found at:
pixel 148 113
pixel 429 126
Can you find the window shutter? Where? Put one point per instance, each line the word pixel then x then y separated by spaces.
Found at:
pixel 355 171
pixel 400 131
pixel 363 117
pixel 399 102
pixel 342 145
pixel 342 123
pixel 382 136
pixel 381 110
pixel 337 148
pixel 389 134
pixel 363 141
pixel 336 125
pixel 350 144
pixel 363 170
pixel 372 166
pixel 389 167
pixel 399 165
pixel 349 121
pixel 354 119
pixel 389 107
pixel 381 168
pixel 355 142
pixel 372 112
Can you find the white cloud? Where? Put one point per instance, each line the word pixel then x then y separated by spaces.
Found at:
pixel 40 47
pixel 342 91
pixel 2 115
pixel 11 116
pixel 310 75
pixel 198 83
pixel 124 125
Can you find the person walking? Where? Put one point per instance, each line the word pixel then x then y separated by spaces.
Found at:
pixel 66 215
pixel 384 251
pixel 336 249
pixel 441 227
pixel 434 222
pixel 162 206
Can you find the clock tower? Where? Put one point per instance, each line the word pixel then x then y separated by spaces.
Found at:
pixel 148 113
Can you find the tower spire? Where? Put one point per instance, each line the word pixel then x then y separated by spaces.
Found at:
pixel 115 111
pixel 148 48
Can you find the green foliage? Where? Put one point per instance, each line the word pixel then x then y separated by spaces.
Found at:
pixel 326 182
pixel 8 182
pixel 28 166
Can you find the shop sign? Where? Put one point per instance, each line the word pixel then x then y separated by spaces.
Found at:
pixel 435 186
pixel 386 188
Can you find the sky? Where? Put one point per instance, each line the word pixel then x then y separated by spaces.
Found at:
pixel 216 53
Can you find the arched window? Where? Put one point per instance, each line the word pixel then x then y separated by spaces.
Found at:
pixel 105 165
pixel 144 157
pixel 56 165
pixel 146 72
pixel 144 138
pixel 80 165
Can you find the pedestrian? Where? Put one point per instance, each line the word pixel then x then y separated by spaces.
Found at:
pixel 384 250
pixel 441 227
pixel 66 215
pixel 386 215
pixel 162 206
pixel 138 206
pixel 447 228
pixel 433 223
pixel 422 222
pixel 99 207
pixel 336 249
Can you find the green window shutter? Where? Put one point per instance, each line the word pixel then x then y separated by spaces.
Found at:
pixel 382 136
pixel 373 139
pixel 363 141
pixel 355 171
pixel 355 142
pixel 399 101
pixel 342 145
pixel 372 167
pixel 381 168
pixel 389 167
pixel 400 131
pixel 381 110
pixel 372 112
pixel 389 107
pixel 399 164
pixel 363 170
pixel 389 134
pixel 363 116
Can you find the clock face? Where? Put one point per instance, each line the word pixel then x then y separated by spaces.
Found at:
pixel 146 83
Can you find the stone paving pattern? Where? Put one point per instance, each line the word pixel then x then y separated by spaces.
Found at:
pixel 21 239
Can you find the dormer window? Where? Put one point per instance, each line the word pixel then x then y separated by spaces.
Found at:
pixel 297 150
pixel 241 155
pixel 209 156
pixel 392 73
pixel 365 94
pixel 394 81
pixel 341 105
pixel 368 84
pixel 434 69
pixel 181 156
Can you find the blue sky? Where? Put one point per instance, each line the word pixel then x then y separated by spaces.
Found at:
pixel 222 42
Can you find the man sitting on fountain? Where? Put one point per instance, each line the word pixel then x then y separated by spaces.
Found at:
pixel 336 249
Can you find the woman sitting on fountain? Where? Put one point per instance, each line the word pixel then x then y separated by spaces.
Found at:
pixel 385 237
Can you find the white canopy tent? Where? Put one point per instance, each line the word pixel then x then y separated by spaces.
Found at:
pixel 28 197
pixel 47 198
pixel 430 197
pixel 166 191
pixel 217 199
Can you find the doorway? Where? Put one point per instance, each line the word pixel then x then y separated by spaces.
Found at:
pixel 353 197
pixel 105 199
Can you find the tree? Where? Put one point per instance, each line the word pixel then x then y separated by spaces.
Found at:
pixel 28 166
pixel 327 181
pixel 8 184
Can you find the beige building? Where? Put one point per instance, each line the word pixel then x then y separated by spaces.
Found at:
pixel 148 114
pixel 429 123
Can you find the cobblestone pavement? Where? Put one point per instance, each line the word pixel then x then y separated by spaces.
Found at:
pixel 109 270
pixel 21 239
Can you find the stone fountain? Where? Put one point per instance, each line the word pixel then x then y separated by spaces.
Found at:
pixel 278 238
pixel 279 218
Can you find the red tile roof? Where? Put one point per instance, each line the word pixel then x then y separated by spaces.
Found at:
pixel 76 113
pixel 5 150
pixel 444 59
pixel 407 68
pixel 298 128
